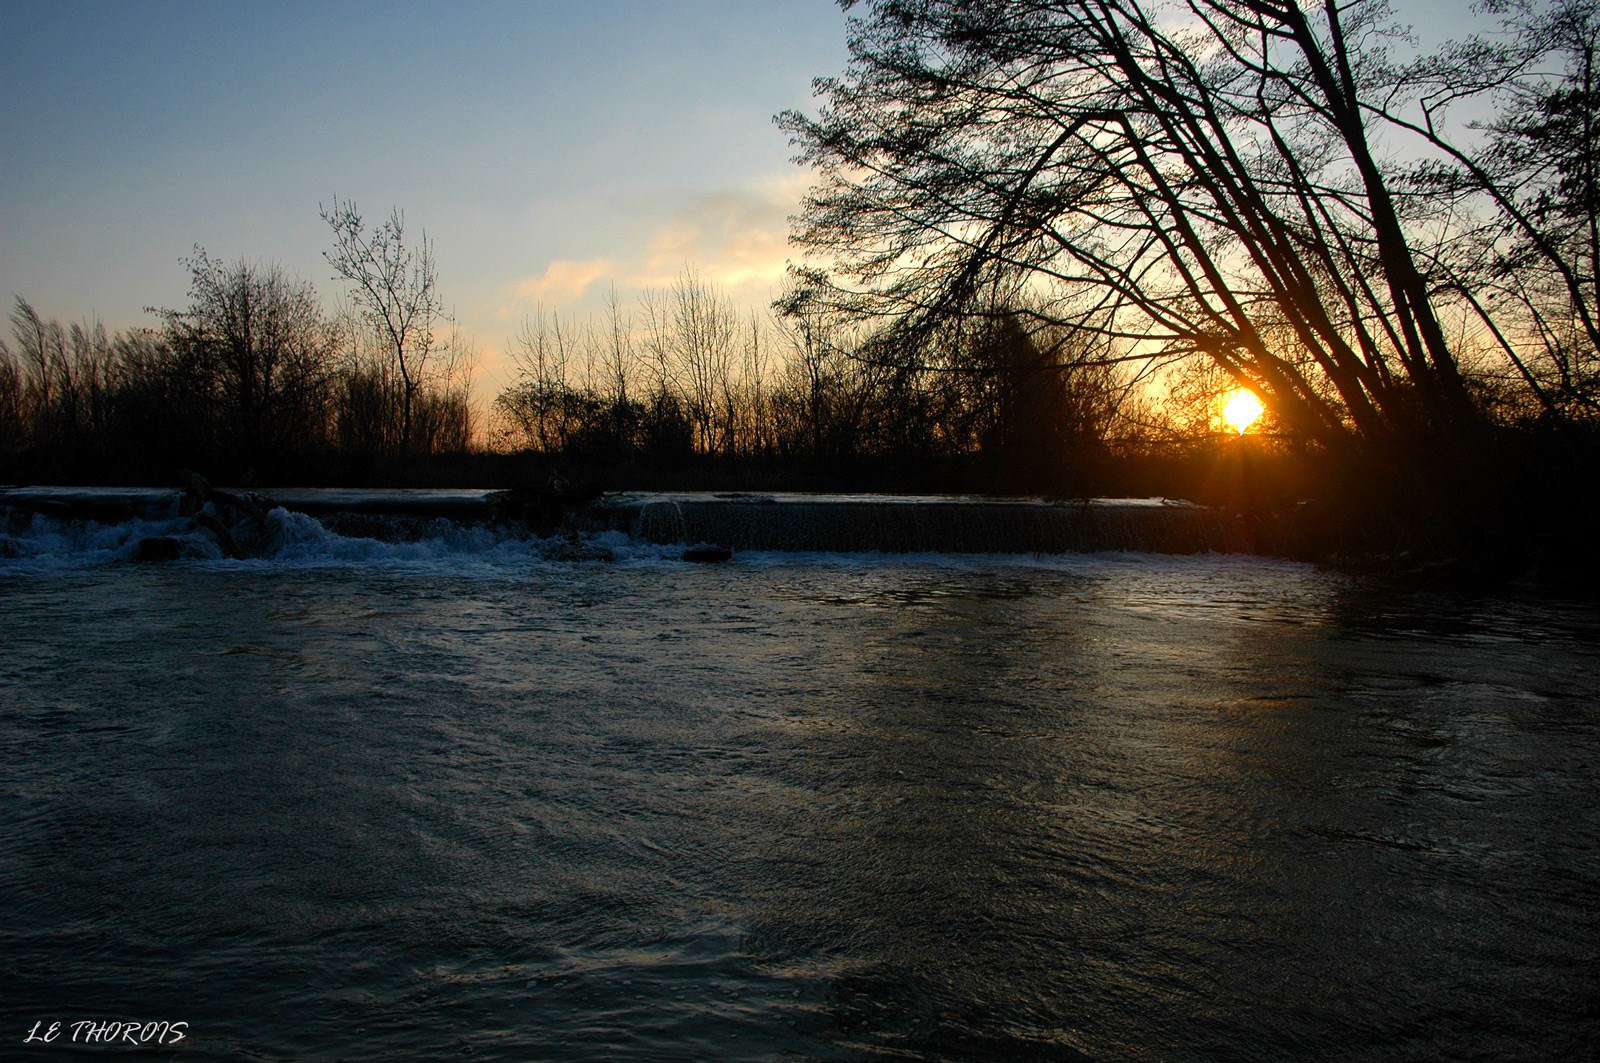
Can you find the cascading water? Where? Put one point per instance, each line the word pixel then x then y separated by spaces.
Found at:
pixel 660 522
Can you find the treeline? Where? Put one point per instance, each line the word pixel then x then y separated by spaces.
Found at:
pixel 682 383
pixel 252 381
pixel 1397 249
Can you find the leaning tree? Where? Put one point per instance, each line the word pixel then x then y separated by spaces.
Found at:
pixel 1270 184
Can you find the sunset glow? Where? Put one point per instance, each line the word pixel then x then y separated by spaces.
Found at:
pixel 1241 410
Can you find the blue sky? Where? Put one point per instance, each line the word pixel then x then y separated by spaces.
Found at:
pixel 548 148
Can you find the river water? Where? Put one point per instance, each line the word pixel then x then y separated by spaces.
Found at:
pixel 456 799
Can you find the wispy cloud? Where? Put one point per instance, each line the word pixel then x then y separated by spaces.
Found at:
pixel 563 281
pixel 733 238
pixel 736 238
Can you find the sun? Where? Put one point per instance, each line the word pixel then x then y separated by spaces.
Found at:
pixel 1241 410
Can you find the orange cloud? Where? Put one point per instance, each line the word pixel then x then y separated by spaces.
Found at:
pixel 563 281
pixel 737 238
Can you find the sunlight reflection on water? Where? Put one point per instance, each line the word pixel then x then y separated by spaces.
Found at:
pixel 823 807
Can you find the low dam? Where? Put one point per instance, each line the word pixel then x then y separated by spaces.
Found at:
pixel 916 524
pixel 738 521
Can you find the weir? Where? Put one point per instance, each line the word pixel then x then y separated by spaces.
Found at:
pixel 914 524
pixel 738 521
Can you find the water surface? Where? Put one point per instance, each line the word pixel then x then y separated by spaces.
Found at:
pixel 363 802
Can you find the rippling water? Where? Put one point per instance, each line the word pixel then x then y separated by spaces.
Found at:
pixel 797 807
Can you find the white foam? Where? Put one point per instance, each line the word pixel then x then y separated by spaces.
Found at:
pixel 46 543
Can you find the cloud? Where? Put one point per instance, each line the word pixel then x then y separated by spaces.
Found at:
pixel 735 238
pixel 563 281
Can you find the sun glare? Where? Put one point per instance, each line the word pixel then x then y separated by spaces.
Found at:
pixel 1241 410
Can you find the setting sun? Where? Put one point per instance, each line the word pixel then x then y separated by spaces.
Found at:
pixel 1241 410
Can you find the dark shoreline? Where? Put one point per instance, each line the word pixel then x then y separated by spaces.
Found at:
pixel 1508 505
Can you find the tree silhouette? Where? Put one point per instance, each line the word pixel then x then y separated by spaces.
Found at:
pixel 396 286
pixel 255 342
pixel 1536 263
pixel 1198 178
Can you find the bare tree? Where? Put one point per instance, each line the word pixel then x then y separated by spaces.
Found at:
pixel 257 342
pixel 538 408
pixel 617 354
pixel 445 421
pixel 40 345
pixel 13 408
pixel 396 286
pixel 689 335
pixel 62 383
pixel 752 407
pixel 704 329
pixel 1527 271
pixel 827 388
pixel 1186 178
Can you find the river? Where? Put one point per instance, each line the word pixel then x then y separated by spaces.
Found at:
pixel 453 798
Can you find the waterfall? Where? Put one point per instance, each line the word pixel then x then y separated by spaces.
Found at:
pixel 660 521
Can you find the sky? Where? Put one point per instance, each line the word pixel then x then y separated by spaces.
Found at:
pixel 548 149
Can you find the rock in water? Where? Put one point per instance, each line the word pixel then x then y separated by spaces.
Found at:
pixel 158 548
pixel 707 552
